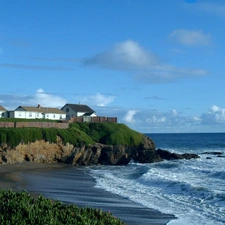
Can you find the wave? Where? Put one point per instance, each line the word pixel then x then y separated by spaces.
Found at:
pixel 184 188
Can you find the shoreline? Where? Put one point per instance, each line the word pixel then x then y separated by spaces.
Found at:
pixel 74 185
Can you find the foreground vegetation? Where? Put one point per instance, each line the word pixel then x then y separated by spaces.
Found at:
pixel 77 134
pixel 21 208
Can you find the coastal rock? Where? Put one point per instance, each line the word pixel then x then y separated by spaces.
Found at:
pixel 96 154
pixel 213 153
pixel 164 154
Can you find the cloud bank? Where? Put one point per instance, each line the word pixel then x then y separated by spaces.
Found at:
pixel 215 116
pixel 129 116
pixel 47 99
pixel 144 66
pixel 143 120
pixel 12 101
pixel 174 121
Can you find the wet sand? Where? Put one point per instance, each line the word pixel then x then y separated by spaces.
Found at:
pixel 73 185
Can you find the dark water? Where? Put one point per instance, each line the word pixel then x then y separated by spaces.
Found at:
pixel 191 142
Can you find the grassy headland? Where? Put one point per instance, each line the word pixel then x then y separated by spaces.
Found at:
pixel 77 134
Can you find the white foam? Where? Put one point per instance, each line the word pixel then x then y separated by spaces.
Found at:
pixel 184 188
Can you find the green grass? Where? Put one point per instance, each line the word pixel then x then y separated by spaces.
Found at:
pixel 20 208
pixel 78 134
pixel 110 133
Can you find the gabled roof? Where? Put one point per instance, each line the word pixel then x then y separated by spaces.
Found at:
pixel 81 108
pixel 2 108
pixel 88 114
pixel 41 109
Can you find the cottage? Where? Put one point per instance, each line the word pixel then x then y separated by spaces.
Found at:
pixel 29 112
pixel 78 110
pixel 3 112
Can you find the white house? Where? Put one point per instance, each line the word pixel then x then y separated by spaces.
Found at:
pixel 29 112
pixel 72 110
pixel 3 112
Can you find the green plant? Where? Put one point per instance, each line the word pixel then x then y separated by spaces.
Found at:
pixel 21 208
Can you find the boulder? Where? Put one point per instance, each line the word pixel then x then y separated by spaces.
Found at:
pixel 164 154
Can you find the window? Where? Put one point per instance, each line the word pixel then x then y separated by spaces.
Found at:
pixel 3 114
pixel 53 116
pixel 37 114
pixel 67 109
pixel 30 114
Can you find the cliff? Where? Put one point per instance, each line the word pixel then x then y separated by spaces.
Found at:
pixel 82 144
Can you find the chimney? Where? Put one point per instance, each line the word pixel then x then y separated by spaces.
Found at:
pixel 39 106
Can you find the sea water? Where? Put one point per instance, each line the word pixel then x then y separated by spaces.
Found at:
pixel 193 190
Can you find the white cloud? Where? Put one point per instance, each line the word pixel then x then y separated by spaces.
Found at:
pixel 191 37
pixel 145 66
pixel 129 116
pixel 156 120
pixel 171 121
pixel 215 116
pixel 99 99
pixel 12 101
pixel 128 55
pixel 47 99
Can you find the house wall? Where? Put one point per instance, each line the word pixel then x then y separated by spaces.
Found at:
pixel 3 114
pixel 11 114
pixel 25 115
pixel 36 115
pixel 69 112
pixel 53 116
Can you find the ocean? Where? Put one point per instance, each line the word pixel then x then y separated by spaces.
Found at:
pixel 192 190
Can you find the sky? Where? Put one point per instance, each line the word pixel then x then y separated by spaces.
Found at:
pixel 158 66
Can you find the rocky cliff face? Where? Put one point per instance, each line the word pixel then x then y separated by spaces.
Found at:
pixel 97 154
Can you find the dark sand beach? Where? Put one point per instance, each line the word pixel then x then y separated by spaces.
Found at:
pixel 73 185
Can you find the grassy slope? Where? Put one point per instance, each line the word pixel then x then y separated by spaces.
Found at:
pixel 77 134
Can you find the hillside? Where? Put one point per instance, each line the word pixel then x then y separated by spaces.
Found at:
pixel 78 134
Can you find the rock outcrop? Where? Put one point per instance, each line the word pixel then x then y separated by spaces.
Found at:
pixel 96 154
pixel 164 154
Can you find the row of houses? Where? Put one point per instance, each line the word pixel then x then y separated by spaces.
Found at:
pixel 67 112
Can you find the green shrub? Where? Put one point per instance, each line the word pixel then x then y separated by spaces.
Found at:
pixel 20 208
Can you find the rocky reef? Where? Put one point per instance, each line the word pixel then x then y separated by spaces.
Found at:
pixel 92 154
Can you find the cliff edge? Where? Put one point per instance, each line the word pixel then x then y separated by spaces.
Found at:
pixel 82 144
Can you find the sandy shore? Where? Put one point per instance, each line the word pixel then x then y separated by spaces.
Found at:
pixel 73 185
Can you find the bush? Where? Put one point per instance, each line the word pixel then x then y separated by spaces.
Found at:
pixel 20 208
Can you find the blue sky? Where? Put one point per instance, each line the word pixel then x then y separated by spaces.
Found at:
pixel 156 65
